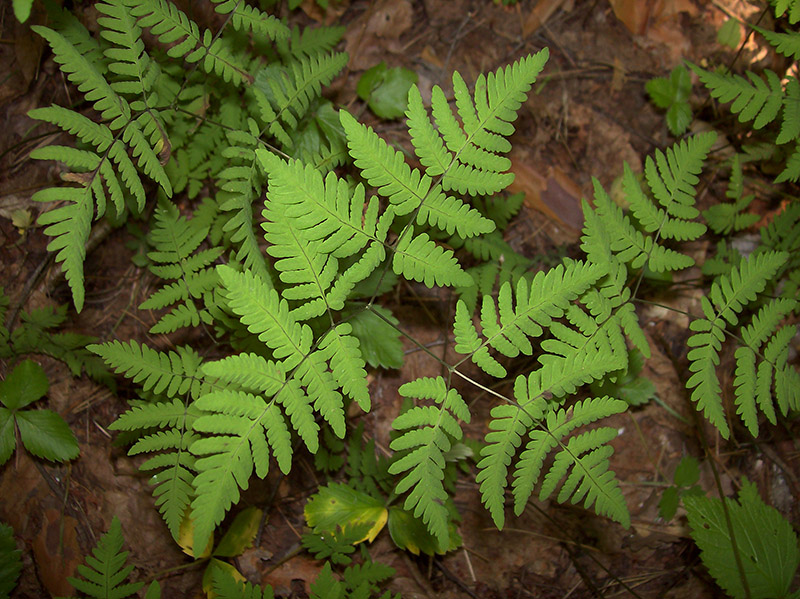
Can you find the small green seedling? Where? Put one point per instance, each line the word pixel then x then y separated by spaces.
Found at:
pixel 43 432
pixel 672 94
pixel 386 90
pixel 684 483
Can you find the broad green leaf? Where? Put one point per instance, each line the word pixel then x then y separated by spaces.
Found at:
pixel 379 341
pixel 22 9
pixel 45 434
pixel 336 504
pixel 729 34
pixel 411 534
pixel 24 385
pixel 668 504
pixel 241 533
pixel 766 543
pixel 386 90
pixel 7 437
pixel 688 472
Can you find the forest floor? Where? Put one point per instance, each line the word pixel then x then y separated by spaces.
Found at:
pixel 588 115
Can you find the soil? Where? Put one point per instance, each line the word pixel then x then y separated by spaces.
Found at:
pixel 589 113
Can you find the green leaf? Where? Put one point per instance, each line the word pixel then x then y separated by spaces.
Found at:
pixel 688 472
pixel 766 542
pixel 336 504
pixel 379 340
pixel 241 533
pixel 411 534
pixel 668 504
pixel 386 90
pixel 729 34
pixel 7 437
pixel 10 562
pixel 26 383
pixel 45 434
pixel 22 9
pixel 660 91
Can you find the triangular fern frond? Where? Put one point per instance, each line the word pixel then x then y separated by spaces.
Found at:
pixel 240 186
pixel 753 98
pixel 428 433
pixel 175 240
pixel 172 25
pixel 728 296
pixel 106 569
pixel 173 463
pixel 467 155
pixel 520 313
pixel 284 94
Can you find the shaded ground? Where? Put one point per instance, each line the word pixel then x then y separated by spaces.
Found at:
pixel 589 115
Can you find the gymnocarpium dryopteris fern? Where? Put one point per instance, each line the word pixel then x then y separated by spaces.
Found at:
pixel 762 99
pixel 330 247
pixel 631 241
pixel 177 119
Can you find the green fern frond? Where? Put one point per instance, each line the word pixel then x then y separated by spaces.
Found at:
pixel 175 240
pixel 243 427
pixel 507 327
pixel 427 437
pixel 87 78
pixel 174 464
pixel 170 374
pixel 105 571
pixel 724 218
pixel 672 177
pixel 266 315
pixel 587 454
pixel 753 98
pixel 69 225
pixel 419 258
pixel 247 19
pixel 467 156
pixel 127 57
pixel 240 184
pixel 341 349
pixel 284 94
pixel 787 44
pixel 172 26
pixel 227 587
pixel 728 296
pixel 309 41
pixel 790 128
pixel 792 7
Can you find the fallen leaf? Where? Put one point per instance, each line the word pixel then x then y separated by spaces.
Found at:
pixel 56 552
pixel 370 36
pixel 541 12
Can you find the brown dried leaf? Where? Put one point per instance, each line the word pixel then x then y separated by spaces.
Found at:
pixel 56 552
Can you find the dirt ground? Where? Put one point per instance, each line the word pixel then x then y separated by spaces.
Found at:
pixel 588 115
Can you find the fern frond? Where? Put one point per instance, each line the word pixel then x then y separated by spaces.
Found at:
pixel 507 327
pixel 728 296
pixel 174 465
pixel 175 240
pixel 419 258
pixel 467 156
pixel 284 94
pixel 105 570
pixel 792 7
pixel 787 44
pixel 341 349
pixel 309 41
pixel 427 437
pixel 172 374
pixel 127 57
pixel 69 225
pixel 172 26
pixel 87 78
pixel 266 315
pixel 240 185
pixel 244 428
pixel 753 98
pixel 247 18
